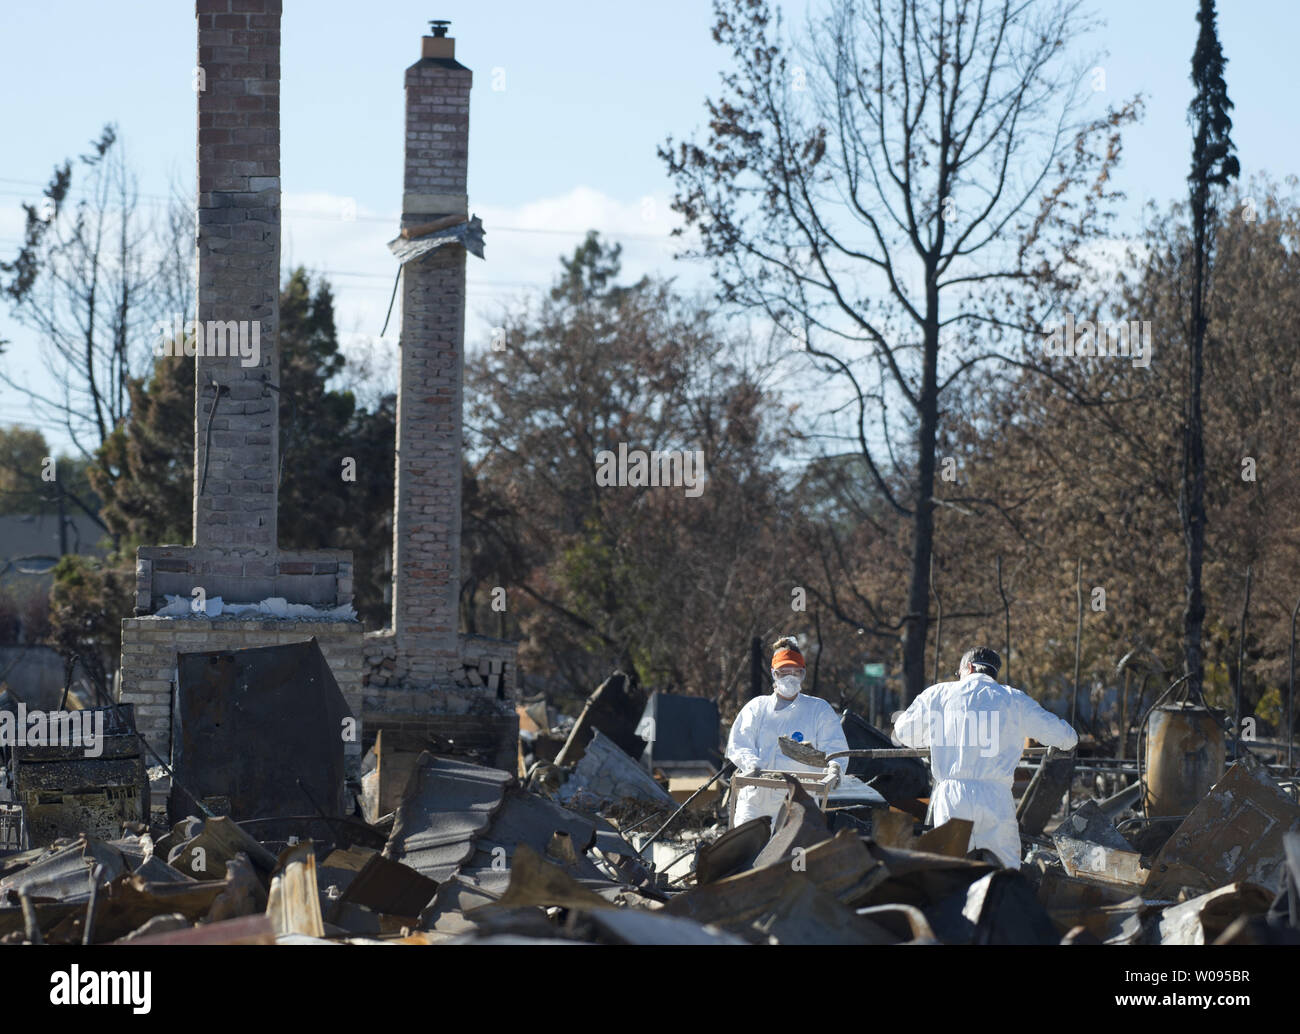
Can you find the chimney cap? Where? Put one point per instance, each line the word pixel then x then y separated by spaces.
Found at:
pixel 439 27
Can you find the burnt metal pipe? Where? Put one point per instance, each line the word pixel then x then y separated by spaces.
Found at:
pixel 728 767
pixel 92 906
pixel 1078 647
pixel 1241 663
pixel 1290 691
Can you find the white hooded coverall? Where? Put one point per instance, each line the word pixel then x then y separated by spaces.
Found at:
pixel 754 741
pixel 976 730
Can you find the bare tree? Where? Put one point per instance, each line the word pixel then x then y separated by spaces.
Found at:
pixel 90 281
pixel 903 192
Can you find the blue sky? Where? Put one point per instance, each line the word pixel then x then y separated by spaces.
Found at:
pixel 589 91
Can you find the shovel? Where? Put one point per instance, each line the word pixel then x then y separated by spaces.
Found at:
pixel 807 754
pixel 727 768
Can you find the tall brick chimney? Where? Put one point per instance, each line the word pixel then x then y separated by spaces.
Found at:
pixel 234 552
pixel 426 529
pixel 236 451
pixel 424 679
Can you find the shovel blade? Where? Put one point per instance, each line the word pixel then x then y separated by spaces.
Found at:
pixel 804 753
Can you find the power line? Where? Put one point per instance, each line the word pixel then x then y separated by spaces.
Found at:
pixel 303 213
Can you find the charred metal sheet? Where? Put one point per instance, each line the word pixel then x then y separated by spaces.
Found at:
pixel 453 899
pixel 128 902
pixel 341 866
pixel 1005 910
pixel 1285 910
pixel 255 929
pixel 1089 822
pixel 897 779
pixel 732 852
pixel 841 866
pixel 262 728
pixel 205 856
pixel 798 826
pixel 48 916
pixel 1146 837
pixel 293 904
pixel 892 828
pixel 396 758
pixel 609 842
pixel 63 875
pixel 998 908
pixel 1089 845
pixel 134 849
pixel 1234 835
pixel 613 710
pixel 637 926
pixel 1258 930
pixel 388 887
pixel 1202 919
pixel 536 881
pixel 1084 858
pixel 804 914
pixel 1101 907
pixel 607 775
pixel 448 806
pixel 951 839
pixel 155 870
pixel 919 879
pixel 157 925
pixel 526 818
pixel 333 831
pixel 1045 791
pixel 679 728
pixel 14 862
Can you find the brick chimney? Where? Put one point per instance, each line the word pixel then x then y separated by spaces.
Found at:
pixel 236 451
pixel 234 553
pixel 426 531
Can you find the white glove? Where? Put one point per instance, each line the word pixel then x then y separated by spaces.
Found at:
pixel 749 768
pixel 832 776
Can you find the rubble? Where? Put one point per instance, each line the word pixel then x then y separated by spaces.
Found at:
pixel 1235 834
pixel 607 775
pixel 258 733
pixel 611 712
pixel 472 855
pixel 91 786
pixel 447 850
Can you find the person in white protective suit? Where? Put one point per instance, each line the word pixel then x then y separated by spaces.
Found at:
pixel 975 729
pixel 753 744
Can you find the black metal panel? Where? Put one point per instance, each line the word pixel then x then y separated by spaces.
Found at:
pixel 685 729
pixel 895 778
pixel 249 725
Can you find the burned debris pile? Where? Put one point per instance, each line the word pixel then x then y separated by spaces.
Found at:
pixel 432 846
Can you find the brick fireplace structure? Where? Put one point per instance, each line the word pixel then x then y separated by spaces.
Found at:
pixel 234 554
pixel 421 675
